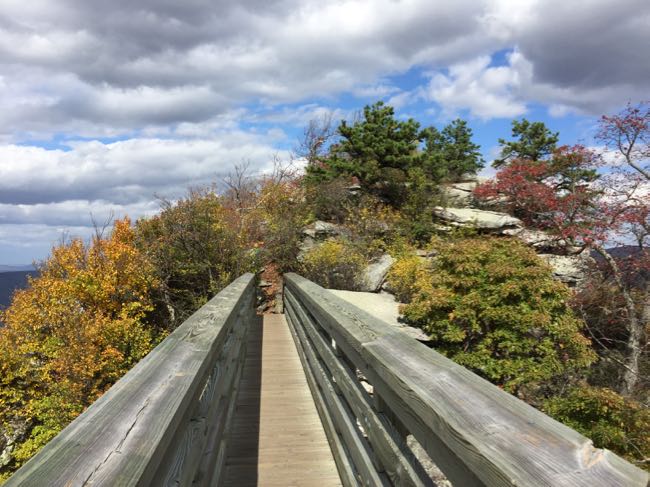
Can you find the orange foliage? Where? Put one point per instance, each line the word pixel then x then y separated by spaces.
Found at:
pixel 73 332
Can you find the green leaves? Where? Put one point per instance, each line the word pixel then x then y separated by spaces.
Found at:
pixel 609 419
pixel 384 154
pixel 491 305
pixel 450 154
pixel 533 141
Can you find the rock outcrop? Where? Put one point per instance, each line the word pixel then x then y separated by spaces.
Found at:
pixel 568 264
pixel 375 274
pixel 542 242
pixel 319 231
pixel 569 269
pixel 487 221
pixel 460 194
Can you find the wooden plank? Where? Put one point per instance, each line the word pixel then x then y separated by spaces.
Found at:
pixel 401 466
pixel 122 437
pixel 189 444
pixel 339 451
pixel 500 439
pixel 348 325
pixel 344 420
pixel 477 433
pixel 277 436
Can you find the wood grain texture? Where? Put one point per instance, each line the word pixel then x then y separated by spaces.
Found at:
pixel 277 437
pixel 395 458
pixel 477 433
pixel 343 463
pixel 358 449
pixel 124 436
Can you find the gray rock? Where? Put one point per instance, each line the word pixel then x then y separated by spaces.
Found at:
pixel 542 241
pixel 569 269
pixel 8 441
pixel 375 274
pixel 320 230
pixel 460 194
pixel 382 306
pixel 306 245
pixel 427 254
pixel 492 221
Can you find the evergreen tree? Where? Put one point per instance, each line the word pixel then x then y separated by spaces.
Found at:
pixel 378 150
pixel 450 153
pixel 533 141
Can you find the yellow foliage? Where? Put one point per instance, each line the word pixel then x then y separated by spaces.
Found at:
pixel 408 276
pixel 334 264
pixel 71 333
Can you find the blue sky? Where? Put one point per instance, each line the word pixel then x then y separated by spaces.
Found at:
pixel 104 106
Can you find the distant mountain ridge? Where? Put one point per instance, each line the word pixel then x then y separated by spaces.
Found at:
pixel 16 268
pixel 9 282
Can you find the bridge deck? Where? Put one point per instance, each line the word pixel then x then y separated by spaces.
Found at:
pixel 277 436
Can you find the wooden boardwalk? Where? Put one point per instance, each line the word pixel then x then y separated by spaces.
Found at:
pixel 277 436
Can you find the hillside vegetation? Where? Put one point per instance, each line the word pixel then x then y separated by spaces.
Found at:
pixel 375 191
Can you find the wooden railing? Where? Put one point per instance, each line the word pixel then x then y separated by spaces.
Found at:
pixel 474 432
pixel 166 421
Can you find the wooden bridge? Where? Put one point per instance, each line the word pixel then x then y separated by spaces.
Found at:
pixel 323 395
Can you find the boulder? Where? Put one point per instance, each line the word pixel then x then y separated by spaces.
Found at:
pixel 491 221
pixel 317 232
pixel 460 194
pixel 320 230
pixel 542 241
pixel 8 441
pixel 384 307
pixel 569 269
pixel 306 245
pixel 375 274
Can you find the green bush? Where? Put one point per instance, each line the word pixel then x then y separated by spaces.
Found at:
pixel 329 200
pixel 492 305
pixel 609 419
pixel 334 264
pixel 195 250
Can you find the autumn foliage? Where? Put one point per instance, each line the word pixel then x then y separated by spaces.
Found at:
pixel 492 305
pixel 73 332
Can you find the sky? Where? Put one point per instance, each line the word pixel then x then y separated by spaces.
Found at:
pixel 106 106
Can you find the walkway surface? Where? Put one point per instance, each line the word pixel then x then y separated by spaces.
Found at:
pixel 277 436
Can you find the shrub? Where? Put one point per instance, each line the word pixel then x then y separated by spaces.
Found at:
pixel 329 200
pixel 408 276
pixel 417 210
pixel 609 419
pixel 334 264
pixel 371 224
pixel 196 249
pixel 71 334
pixel 282 212
pixel 492 305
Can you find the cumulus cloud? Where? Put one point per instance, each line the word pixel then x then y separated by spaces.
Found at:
pixel 118 66
pixel 115 67
pixel 486 91
pixel 51 192
pixel 126 171
pixel 177 83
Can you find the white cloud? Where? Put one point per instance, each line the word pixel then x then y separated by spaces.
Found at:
pixel 74 213
pixel 125 171
pixel 484 90
pixel 178 81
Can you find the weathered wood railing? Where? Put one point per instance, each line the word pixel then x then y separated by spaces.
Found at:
pixel 475 433
pixel 166 421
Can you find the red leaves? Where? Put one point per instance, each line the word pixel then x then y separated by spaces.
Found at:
pixel 554 194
